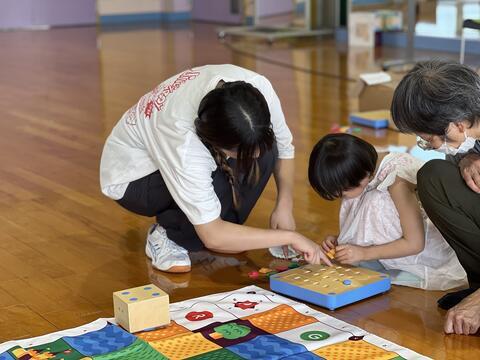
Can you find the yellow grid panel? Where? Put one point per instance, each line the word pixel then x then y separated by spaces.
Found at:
pixel 326 280
pixel 184 346
pixel 281 318
pixel 354 350
pixel 170 331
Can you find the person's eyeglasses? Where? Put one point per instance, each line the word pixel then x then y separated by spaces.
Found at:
pixel 427 145
pixel 424 144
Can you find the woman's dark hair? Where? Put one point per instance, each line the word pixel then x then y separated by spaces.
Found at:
pixel 434 94
pixel 339 162
pixel 236 117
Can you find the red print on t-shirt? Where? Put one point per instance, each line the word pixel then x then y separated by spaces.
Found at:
pixel 156 99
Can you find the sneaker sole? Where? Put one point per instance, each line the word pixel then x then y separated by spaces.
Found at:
pixel 177 269
pixel 147 252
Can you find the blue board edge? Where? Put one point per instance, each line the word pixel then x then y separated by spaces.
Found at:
pixel 376 124
pixel 330 302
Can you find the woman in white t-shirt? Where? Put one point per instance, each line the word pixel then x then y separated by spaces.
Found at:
pixel 197 152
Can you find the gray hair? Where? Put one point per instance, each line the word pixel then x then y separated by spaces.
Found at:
pixel 434 94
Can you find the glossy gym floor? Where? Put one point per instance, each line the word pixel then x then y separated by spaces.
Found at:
pixel 65 247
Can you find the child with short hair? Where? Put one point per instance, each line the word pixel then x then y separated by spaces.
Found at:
pixel 380 216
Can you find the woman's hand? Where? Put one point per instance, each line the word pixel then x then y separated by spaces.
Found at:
pixel 464 318
pixel 349 254
pixel 470 170
pixel 311 251
pixel 329 243
pixel 282 219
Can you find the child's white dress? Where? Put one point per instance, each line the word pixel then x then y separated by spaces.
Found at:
pixel 372 219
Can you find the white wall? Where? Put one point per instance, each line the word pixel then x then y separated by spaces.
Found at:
pixel 273 7
pixel 217 11
pixel 119 7
pixel 31 13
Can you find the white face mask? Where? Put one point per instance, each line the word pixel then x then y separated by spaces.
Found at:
pixel 464 147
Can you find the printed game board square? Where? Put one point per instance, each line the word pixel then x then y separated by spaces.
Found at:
pixel 109 339
pixel 221 354
pixel 238 304
pixel 231 333
pixel 6 356
pixel 138 350
pixel 354 350
pixel 268 347
pixel 56 350
pixel 315 335
pixel 200 314
pixel 184 346
pixel 304 356
pixel 281 318
pixel 170 331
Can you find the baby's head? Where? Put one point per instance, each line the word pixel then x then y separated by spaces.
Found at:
pixel 341 165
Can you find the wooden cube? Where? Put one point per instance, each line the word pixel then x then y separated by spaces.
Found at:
pixel 141 308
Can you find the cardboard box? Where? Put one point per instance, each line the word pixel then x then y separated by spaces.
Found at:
pixel 361 29
pixel 376 96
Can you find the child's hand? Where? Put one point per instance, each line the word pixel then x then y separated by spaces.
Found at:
pixel 282 219
pixel 311 251
pixel 329 243
pixel 317 256
pixel 349 254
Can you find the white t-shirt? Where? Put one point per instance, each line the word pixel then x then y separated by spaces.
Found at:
pixel 158 133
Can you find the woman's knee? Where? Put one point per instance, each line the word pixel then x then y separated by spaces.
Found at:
pixel 137 207
pixel 435 180
pixel 435 173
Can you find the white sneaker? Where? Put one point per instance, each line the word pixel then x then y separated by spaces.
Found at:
pixel 165 254
pixel 277 251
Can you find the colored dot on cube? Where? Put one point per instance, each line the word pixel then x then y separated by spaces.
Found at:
pixel 347 282
pixel 156 294
pixel 133 299
pixel 147 288
pixel 125 292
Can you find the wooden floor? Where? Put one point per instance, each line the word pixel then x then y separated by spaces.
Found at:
pixel 64 248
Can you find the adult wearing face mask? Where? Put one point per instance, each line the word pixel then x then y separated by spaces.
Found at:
pixel 440 102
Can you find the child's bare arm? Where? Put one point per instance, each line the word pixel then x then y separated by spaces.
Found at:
pixel 329 243
pixel 411 221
